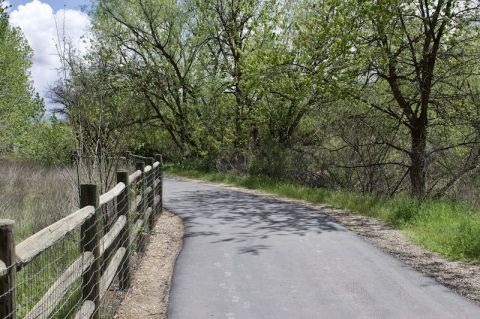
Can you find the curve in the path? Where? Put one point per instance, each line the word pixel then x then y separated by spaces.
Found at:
pixel 253 257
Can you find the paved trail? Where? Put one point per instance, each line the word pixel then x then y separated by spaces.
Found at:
pixel 252 257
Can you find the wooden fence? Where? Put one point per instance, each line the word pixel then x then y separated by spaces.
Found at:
pixel 105 247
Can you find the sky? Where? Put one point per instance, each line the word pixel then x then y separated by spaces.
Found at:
pixel 55 4
pixel 39 20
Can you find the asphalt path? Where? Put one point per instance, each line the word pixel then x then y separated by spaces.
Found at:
pixel 254 257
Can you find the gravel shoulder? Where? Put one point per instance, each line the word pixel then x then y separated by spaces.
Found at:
pixel 148 295
pixel 461 277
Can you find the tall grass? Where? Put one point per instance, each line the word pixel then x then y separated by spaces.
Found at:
pixel 449 228
pixel 35 196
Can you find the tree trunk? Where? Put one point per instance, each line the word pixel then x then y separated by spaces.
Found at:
pixel 418 163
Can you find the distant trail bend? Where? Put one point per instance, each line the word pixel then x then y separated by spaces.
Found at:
pixel 254 257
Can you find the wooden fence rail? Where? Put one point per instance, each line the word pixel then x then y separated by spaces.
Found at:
pixel 105 253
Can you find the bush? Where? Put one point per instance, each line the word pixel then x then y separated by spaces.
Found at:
pixel 404 211
pixel 272 160
pixel 468 239
pixel 49 143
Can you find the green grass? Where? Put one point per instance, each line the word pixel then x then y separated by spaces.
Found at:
pixel 451 229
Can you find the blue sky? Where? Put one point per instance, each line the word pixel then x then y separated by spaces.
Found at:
pixel 55 4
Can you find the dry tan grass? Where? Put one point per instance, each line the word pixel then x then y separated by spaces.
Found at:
pixel 35 196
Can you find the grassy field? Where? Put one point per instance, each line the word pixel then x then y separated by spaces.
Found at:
pixel 451 229
pixel 35 196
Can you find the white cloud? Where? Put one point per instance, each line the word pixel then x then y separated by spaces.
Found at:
pixel 43 27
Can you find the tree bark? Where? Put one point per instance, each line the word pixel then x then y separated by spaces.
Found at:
pixel 418 159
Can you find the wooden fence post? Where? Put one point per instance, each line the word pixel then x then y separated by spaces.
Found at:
pixel 123 209
pixel 155 177
pixel 90 241
pixel 160 178
pixel 140 165
pixel 155 187
pixel 150 177
pixel 7 279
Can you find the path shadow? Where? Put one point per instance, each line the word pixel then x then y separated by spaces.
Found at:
pixel 230 216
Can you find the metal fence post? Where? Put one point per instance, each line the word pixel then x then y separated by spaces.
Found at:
pixel 90 242
pixel 7 278
pixel 123 209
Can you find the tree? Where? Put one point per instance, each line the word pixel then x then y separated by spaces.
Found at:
pixel 414 59
pixel 156 51
pixel 99 110
pixel 236 31
pixel 19 104
pixel 353 94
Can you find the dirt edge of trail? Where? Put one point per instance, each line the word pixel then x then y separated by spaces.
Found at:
pixel 461 277
pixel 148 294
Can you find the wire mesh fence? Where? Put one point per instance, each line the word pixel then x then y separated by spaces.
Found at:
pixel 40 283
pixel 80 266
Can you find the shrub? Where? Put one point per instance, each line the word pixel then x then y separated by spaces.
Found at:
pixel 404 210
